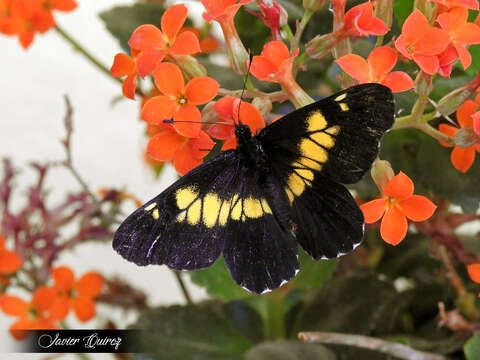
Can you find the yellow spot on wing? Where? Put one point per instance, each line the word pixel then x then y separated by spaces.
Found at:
pixel 155 214
pixel 296 184
pixel 306 174
pixel 236 212
pixel 224 210
pixel 252 208
pixel 150 207
pixel 211 208
pixel 181 216
pixel 316 121
pixel 185 197
pixel 344 107
pixel 309 164
pixel 289 195
pixel 193 214
pixel 313 151
pixel 333 130
pixel 323 139
pixel 341 97
pixel 266 207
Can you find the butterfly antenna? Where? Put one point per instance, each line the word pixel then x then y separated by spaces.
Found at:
pixel 195 122
pixel 244 85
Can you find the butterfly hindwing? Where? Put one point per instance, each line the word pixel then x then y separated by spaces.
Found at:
pixel 260 254
pixel 184 227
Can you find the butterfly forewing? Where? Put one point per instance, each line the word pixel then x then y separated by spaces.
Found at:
pixel 184 227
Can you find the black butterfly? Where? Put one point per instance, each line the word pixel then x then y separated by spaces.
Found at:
pixel 279 187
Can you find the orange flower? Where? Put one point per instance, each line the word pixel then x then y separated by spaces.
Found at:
pixel 208 43
pixel 10 262
pixel 231 111
pixel 154 44
pixel 224 12
pixel 124 65
pixel 186 153
pixel 76 294
pixel 468 4
pixel 179 100
pixel 274 64
pixel 397 204
pixel 474 273
pixel 446 60
pixel 360 21
pixel 462 158
pixel 461 32
pixel 422 43
pixel 376 69
pixel 43 17
pixel 34 315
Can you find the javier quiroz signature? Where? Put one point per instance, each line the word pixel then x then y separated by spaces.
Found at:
pixel 92 341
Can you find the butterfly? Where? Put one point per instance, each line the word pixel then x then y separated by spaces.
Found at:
pixel 279 188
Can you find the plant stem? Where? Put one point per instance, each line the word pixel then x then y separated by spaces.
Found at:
pixel 438 135
pixel 183 287
pixel 275 327
pixel 76 45
pixel 288 33
pixel 409 121
pixel 307 15
pixel 85 53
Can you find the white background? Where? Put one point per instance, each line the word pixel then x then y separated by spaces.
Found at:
pixel 107 142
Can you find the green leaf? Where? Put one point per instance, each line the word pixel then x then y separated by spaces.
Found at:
pixel 312 273
pixel 289 350
pixel 401 10
pixel 471 348
pixel 209 330
pixel 121 21
pixel 217 280
pixel 474 68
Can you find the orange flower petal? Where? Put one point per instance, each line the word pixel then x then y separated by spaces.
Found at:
pixel 63 278
pixel 42 21
pixel 148 59
pixel 216 7
pixel 65 5
pixel 221 132
pixel 468 34
pixel 465 113
pixel 157 109
pixel 19 328
pixel 417 208
pixel 184 160
pixel 229 144
pixel 168 79
pixel 432 42
pixel 398 81
pixel 262 67
pixel 401 45
pixel 394 226
pixel 146 37
pixel 224 107
pixel 84 308
pixel 122 65
pixel 355 66
pixel 13 305
pixel 129 86
pixel 249 115
pixel 60 308
pixel 453 19
pixel 201 89
pixel 9 262
pixel 209 45
pixel 201 145
pixel 447 130
pixel 26 39
pixel 400 187
pixel 191 114
pixel 464 55
pixel 185 44
pixel 43 298
pixel 381 61
pixel 164 145
pixel 429 64
pixel 276 52
pixel 415 25
pixel 173 19
pixel 90 284
pixel 462 158
pixel 474 272
pixel 373 210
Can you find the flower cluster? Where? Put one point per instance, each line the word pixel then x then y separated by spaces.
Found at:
pixel 51 304
pixel 25 18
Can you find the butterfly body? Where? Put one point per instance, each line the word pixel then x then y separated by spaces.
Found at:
pixel 279 188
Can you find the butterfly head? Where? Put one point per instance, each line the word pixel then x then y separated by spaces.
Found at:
pixel 242 133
